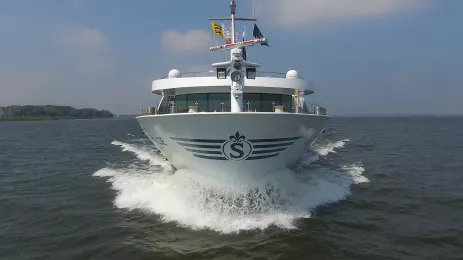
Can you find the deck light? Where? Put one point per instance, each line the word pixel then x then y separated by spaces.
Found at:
pixel 250 72
pixel 221 73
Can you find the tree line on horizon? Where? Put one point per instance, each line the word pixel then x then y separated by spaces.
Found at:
pixel 52 111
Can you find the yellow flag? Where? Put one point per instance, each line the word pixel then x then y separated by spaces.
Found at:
pixel 217 29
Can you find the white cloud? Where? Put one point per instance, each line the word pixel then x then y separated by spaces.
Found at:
pixel 88 48
pixel 303 13
pixel 81 37
pixel 190 41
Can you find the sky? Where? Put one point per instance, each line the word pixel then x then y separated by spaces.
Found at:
pixel 363 56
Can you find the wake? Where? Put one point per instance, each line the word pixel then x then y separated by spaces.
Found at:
pixel 198 201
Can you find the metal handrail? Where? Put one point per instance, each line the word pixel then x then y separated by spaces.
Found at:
pixel 194 74
pixel 211 73
pixel 274 74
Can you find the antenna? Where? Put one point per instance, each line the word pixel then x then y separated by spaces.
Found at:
pixel 253 9
pixel 233 11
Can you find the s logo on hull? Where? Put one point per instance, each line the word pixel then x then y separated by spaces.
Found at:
pixel 237 148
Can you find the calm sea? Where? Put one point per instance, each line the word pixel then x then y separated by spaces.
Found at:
pixel 371 188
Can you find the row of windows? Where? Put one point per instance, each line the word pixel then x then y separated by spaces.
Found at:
pixel 220 102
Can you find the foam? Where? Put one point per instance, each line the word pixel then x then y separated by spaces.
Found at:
pixel 145 154
pixel 197 201
pixel 324 149
pixel 356 170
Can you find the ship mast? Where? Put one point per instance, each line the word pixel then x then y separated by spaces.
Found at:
pixel 233 11
pixel 236 63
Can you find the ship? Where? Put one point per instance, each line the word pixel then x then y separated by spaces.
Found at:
pixel 233 118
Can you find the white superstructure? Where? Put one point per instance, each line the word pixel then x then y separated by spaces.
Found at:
pixel 233 118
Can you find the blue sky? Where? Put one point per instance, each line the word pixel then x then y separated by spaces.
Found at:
pixel 364 56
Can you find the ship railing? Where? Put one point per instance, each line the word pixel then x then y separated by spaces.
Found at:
pixel 272 74
pixel 314 109
pixel 192 74
pixel 169 110
pixel 212 73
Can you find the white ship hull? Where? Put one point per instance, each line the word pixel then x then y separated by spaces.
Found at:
pixel 237 143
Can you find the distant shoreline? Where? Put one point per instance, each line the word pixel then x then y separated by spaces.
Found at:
pixel 20 119
pixel 50 112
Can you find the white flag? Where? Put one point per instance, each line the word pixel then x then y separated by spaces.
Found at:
pixel 227 33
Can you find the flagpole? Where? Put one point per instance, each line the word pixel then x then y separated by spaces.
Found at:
pixel 233 6
pixel 253 9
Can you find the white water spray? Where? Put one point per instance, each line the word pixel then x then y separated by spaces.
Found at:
pixel 326 148
pixel 200 202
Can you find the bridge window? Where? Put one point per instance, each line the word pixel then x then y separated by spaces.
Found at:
pixel 287 102
pixel 218 102
pixel 199 100
pixel 268 101
pixel 252 102
pixel 182 106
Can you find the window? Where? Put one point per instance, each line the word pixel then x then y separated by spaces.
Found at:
pixel 252 102
pixel 181 104
pixel 199 100
pixel 219 102
pixel 268 101
pixel 287 101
